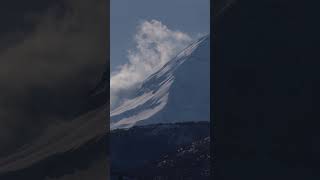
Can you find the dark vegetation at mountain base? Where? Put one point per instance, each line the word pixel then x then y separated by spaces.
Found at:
pixel 161 151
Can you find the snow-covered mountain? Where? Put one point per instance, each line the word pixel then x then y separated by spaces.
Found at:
pixel 177 92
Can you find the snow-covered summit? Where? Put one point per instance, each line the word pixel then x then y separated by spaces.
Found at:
pixel 177 92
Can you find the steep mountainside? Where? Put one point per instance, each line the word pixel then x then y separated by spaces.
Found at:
pixel 178 92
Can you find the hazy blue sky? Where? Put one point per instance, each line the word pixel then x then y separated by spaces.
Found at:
pixel 189 16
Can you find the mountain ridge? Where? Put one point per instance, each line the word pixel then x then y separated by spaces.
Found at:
pixel 159 98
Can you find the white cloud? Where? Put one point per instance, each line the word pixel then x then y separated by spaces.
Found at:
pixel 156 44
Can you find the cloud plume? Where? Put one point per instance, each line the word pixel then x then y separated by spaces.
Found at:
pixel 155 45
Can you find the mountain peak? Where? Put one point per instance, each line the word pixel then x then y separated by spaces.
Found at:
pixel 178 92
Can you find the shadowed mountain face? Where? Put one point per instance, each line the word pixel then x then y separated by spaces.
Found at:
pixel 267 84
pixel 53 115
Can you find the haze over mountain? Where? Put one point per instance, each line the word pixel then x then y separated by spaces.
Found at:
pixel 52 126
